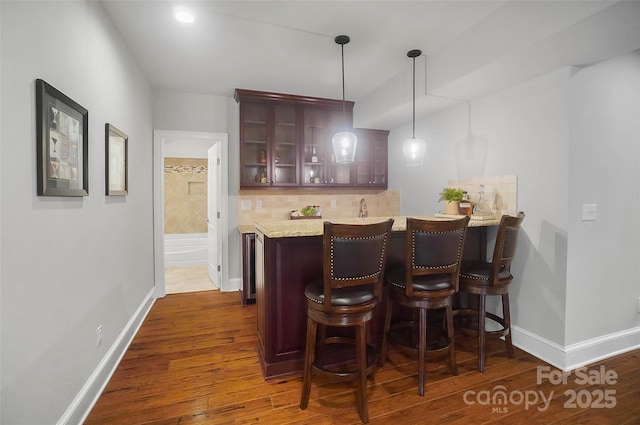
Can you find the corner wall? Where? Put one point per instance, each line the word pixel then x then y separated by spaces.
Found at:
pixel 74 263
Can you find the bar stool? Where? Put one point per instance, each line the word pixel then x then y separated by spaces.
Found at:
pixel 428 281
pixel 354 260
pixel 484 278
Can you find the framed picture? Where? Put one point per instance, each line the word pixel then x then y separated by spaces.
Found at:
pixel 116 158
pixel 62 128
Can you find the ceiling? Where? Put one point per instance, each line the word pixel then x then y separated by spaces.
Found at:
pixel 470 48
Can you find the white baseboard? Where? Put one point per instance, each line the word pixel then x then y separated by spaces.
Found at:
pixel 576 355
pixel 82 404
pixel 596 349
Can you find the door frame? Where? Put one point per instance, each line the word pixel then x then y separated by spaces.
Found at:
pixel 159 138
pixel 214 177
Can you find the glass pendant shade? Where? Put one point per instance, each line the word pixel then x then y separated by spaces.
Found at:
pixel 413 151
pixel 344 146
pixel 344 142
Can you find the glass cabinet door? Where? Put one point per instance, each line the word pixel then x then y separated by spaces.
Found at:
pixel 371 158
pixel 363 162
pixel 314 153
pixel 284 152
pixel 254 144
pixel 379 159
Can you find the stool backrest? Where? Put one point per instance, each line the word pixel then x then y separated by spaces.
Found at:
pixel 434 247
pixel 354 255
pixel 505 248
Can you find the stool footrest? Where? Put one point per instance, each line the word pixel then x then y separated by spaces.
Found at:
pixel 401 336
pixel 473 331
pixel 334 369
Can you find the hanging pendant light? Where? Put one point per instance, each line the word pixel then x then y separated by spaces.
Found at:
pixel 344 142
pixel 413 149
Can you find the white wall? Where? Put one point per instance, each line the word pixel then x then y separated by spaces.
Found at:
pixel 189 112
pixel 603 266
pixel 73 263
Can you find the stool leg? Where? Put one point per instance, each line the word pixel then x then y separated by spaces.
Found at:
pixel 361 344
pixel 308 361
pixel 321 335
pixel 387 327
pixel 482 312
pixel 422 343
pixel 367 332
pixel 506 314
pixel 450 335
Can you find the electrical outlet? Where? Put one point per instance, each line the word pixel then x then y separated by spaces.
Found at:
pixel 99 336
pixel 258 204
pixel 333 203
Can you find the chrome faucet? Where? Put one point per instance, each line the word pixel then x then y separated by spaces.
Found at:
pixel 363 209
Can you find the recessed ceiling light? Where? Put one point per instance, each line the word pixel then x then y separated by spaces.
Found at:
pixel 183 14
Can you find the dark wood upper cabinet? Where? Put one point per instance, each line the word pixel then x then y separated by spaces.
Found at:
pixel 285 141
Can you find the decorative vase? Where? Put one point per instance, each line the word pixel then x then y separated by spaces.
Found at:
pixel 451 207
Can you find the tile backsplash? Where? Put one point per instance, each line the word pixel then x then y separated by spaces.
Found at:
pixel 185 195
pixel 500 192
pixel 261 205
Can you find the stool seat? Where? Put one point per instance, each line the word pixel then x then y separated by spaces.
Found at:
pixel 349 296
pixel 481 271
pixel 425 283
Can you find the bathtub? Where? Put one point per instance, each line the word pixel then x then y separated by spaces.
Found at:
pixel 185 249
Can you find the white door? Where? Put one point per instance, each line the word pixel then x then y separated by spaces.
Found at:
pixel 213 215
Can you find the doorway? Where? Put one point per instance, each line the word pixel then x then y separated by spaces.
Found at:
pixel 211 148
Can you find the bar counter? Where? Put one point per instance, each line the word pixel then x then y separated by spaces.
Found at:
pixel 314 227
pixel 288 256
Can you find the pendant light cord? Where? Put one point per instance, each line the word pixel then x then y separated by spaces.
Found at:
pixel 344 110
pixel 414 97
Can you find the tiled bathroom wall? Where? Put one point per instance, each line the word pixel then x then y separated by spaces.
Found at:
pixel 260 205
pixel 185 195
pixel 500 192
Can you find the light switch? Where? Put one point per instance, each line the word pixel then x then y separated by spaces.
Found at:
pixel 333 203
pixel 258 204
pixel 589 212
pixel 245 204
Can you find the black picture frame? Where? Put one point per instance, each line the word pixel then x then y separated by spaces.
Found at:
pixel 116 161
pixel 62 142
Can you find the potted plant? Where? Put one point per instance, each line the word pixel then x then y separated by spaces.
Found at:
pixel 452 197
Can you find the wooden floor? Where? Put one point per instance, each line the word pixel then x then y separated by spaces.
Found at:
pixel 194 362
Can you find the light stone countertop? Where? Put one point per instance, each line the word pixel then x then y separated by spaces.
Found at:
pixel 315 227
pixel 246 228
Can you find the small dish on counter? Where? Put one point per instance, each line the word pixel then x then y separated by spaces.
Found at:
pixel 308 212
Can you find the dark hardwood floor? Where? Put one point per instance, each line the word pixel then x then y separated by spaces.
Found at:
pixel 194 362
